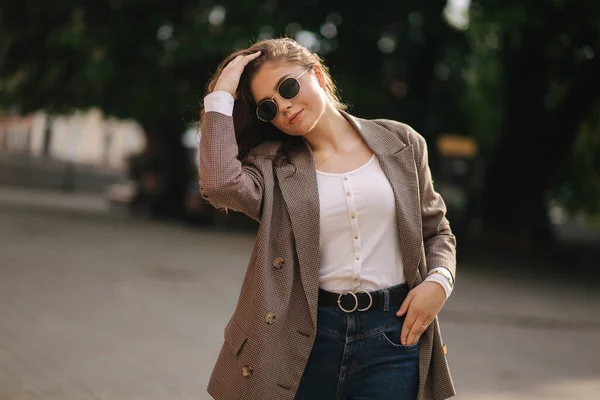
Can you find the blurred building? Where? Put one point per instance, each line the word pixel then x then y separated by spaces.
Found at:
pixel 87 138
pixel 84 151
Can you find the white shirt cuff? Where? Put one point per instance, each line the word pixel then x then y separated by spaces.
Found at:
pixel 219 101
pixel 442 281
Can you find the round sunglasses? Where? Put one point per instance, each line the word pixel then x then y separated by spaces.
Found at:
pixel 289 88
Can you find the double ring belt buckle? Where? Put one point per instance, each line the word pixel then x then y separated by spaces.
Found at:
pixel 355 308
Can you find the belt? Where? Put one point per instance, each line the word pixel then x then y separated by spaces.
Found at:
pixel 362 300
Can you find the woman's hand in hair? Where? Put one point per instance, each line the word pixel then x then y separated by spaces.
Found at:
pixel 229 79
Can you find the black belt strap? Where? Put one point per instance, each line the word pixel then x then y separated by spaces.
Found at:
pixel 348 303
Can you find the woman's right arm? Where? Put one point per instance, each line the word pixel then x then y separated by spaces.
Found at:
pixel 225 181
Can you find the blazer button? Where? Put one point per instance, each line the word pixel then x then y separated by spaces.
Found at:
pixel 270 318
pixel 278 263
pixel 247 371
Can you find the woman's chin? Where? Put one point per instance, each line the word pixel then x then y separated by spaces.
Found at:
pixel 299 128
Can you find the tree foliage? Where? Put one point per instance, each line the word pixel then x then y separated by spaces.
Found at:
pixel 521 78
pixel 533 86
pixel 151 61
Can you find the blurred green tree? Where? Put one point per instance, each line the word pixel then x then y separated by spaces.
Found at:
pixel 520 79
pixel 532 84
pixel 151 61
pixel 578 184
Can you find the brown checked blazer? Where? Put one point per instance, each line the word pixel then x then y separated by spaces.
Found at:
pixel 270 336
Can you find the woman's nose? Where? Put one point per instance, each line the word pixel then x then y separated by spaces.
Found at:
pixel 283 104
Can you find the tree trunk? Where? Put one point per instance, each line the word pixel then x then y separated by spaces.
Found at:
pixel 167 175
pixel 47 135
pixel 512 198
pixel 533 145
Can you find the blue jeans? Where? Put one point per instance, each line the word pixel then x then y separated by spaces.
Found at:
pixel 358 356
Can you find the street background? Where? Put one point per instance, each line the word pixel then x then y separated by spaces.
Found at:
pixel 97 305
pixel 117 278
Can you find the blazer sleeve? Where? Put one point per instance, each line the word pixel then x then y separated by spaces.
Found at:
pixel 225 182
pixel 440 243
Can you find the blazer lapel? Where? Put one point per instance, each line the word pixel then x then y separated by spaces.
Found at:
pixel 398 163
pixel 298 183
pixel 401 172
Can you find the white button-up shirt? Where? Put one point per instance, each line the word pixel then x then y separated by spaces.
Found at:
pixel 359 233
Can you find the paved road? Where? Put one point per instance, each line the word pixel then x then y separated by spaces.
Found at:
pixel 96 306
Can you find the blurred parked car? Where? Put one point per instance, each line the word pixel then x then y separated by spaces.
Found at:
pixel 121 193
pixel 137 196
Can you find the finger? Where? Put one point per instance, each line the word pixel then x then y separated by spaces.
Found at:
pixel 253 56
pixel 407 326
pixel 242 60
pixel 249 58
pixel 237 61
pixel 405 304
pixel 416 330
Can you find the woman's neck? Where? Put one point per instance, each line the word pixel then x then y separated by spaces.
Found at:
pixel 328 133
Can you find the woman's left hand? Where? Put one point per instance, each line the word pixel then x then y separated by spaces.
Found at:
pixel 421 306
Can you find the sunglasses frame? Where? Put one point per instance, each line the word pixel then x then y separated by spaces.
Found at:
pixel 297 79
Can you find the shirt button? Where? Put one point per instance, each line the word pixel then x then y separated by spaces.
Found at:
pixel 353 216
pixel 348 194
pixel 357 257
pixel 345 178
pixel 355 237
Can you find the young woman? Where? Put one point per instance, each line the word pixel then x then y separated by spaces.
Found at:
pixel 354 256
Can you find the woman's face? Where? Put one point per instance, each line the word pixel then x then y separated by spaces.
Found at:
pixel 299 115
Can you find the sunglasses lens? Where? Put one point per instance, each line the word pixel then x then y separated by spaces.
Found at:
pixel 289 88
pixel 267 110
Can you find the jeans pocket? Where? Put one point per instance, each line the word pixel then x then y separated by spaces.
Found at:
pixel 391 337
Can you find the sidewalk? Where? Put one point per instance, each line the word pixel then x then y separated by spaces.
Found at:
pixel 95 308
pixel 52 199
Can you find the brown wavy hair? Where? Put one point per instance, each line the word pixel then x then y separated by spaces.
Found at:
pixel 249 130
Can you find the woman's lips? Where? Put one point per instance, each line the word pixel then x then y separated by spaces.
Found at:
pixel 295 116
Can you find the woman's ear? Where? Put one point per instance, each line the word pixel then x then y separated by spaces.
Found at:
pixel 318 71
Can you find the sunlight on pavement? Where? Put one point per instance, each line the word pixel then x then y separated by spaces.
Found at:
pixel 560 389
